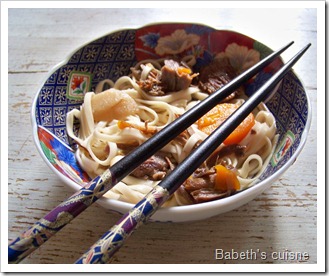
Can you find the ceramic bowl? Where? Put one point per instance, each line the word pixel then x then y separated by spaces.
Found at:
pixel 112 56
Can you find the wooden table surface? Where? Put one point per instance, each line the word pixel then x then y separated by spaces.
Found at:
pixel 282 219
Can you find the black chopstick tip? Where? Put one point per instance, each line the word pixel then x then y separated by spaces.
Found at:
pixel 289 44
pixel 308 45
pixel 286 47
pixel 303 50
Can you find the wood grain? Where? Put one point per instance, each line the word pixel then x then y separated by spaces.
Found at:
pixel 284 218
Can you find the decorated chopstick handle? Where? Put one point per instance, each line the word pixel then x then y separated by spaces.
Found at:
pixel 56 219
pixel 102 251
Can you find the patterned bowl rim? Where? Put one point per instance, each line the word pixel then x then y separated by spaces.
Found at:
pixel 225 204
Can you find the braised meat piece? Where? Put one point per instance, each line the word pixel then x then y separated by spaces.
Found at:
pixel 201 184
pixel 184 197
pixel 152 85
pixel 196 183
pixel 201 178
pixel 155 168
pixel 204 195
pixel 215 75
pixel 173 77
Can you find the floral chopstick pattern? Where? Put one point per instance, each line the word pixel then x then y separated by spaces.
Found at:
pixel 56 219
pixel 102 251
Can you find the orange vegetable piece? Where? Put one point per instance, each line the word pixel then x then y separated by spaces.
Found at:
pixel 226 180
pixel 145 129
pixel 184 70
pixel 211 120
pixel 123 124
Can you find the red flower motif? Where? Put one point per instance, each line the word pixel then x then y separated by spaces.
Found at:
pixel 76 82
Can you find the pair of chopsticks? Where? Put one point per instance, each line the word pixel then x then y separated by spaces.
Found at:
pixel 110 242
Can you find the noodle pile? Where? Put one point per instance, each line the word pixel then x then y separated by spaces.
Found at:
pixel 101 143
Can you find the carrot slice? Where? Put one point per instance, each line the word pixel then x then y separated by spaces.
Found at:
pixel 226 180
pixel 210 121
pixel 145 128
pixel 183 70
pixel 123 124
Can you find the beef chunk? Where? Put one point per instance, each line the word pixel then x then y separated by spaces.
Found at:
pixel 201 188
pixel 207 194
pixel 215 75
pixel 155 168
pixel 152 84
pixel 201 178
pixel 184 197
pixel 172 77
